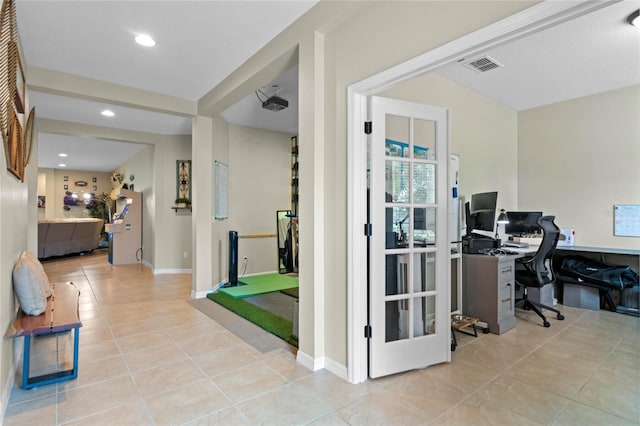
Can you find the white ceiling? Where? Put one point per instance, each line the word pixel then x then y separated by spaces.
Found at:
pixel 200 42
pixel 594 53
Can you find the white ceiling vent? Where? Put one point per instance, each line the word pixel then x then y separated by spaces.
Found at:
pixel 483 64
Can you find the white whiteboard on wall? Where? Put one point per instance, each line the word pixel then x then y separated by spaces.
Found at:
pixel 626 220
pixel 221 196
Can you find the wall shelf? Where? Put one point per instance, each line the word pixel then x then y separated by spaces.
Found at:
pixel 176 208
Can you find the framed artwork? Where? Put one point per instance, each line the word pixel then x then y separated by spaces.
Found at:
pixel 15 159
pixel 28 137
pixel 19 95
pixel 183 179
pixel 94 179
pixel 65 178
pixel 41 201
pixel 66 187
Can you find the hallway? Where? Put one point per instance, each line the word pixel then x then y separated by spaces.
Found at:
pixel 147 357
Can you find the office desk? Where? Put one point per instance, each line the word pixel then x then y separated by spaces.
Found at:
pixel 627 299
pixel 488 291
pixel 609 255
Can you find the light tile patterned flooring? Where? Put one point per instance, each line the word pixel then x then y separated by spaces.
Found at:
pixel 147 357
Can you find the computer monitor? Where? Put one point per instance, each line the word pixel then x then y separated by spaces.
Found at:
pixel 523 223
pixel 480 212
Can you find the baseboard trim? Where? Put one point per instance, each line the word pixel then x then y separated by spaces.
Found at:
pixel 6 391
pixel 315 364
pixel 310 362
pixel 201 294
pixel 336 368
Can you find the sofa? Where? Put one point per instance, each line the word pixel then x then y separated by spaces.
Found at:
pixel 59 237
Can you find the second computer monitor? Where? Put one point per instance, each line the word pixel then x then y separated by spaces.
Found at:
pixel 523 223
pixel 481 212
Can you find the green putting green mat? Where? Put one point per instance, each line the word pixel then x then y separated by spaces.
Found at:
pixel 260 284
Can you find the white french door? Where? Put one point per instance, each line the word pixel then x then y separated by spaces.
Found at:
pixel 409 246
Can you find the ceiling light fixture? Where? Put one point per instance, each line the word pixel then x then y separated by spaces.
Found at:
pixel 107 113
pixel 62 165
pixel 145 40
pixel 634 18
pixel 62 154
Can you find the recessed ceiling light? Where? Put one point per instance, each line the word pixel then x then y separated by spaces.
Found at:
pixel 62 154
pixel 145 40
pixel 62 165
pixel 107 113
pixel 634 18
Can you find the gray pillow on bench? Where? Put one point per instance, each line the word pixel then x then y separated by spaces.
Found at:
pixel 31 284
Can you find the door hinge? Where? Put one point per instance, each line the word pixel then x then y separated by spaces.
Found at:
pixel 368 127
pixel 368 229
pixel 367 331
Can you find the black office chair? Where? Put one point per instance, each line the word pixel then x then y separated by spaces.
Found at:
pixel 537 270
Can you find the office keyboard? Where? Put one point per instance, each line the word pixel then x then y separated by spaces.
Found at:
pixel 501 252
pixel 515 245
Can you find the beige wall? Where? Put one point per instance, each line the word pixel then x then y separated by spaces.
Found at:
pixel 259 184
pixel 166 234
pixel 53 183
pixel 578 158
pixel 18 231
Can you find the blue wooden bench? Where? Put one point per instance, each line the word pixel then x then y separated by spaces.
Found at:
pixel 61 315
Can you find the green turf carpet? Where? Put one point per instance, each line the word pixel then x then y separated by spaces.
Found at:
pixel 260 284
pixel 272 323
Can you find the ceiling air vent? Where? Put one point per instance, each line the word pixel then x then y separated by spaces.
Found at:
pixel 484 64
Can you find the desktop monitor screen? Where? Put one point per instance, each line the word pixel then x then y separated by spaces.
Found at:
pixel 523 223
pixel 480 212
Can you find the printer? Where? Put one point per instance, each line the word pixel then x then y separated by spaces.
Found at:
pixel 479 244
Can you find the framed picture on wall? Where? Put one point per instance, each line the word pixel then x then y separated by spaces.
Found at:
pixel 15 158
pixel 94 179
pixel 66 187
pixel 65 178
pixel 19 96
pixel 183 179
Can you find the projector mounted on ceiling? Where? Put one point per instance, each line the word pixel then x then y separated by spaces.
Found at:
pixel 275 103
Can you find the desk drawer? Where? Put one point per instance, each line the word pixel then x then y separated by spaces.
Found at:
pixel 505 300
pixel 506 272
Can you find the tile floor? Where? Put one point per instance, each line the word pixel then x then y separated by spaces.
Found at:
pixel 149 358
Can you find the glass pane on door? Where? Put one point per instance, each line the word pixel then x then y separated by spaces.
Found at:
pixel 397 227
pixel 424 133
pixel 397 181
pixel 424 275
pixel 424 183
pixel 424 226
pixel 397 320
pixel 397 274
pixel 397 136
pixel 424 316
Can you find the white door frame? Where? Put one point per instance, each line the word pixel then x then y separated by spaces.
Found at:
pixel 522 24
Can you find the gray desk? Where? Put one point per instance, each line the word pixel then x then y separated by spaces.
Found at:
pixel 614 256
pixel 488 291
pixel 627 299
